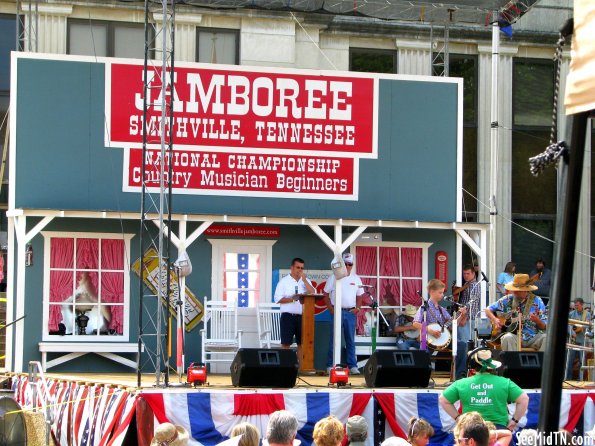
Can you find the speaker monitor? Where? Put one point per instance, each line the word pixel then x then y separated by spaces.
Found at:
pixel 257 367
pixel 523 368
pixel 398 368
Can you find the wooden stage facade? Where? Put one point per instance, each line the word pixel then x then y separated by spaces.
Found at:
pixel 109 409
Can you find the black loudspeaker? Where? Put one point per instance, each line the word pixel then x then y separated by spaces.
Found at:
pixel 398 368
pixel 258 367
pixel 523 368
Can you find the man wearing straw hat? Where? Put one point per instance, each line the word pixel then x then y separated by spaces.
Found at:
pixel 486 393
pixel 531 312
pixel 405 331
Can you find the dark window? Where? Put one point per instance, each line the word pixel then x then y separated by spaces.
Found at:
pixel 533 199
pixel 532 92
pixel 215 45
pixel 466 67
pixel 372 61
pixel 112 39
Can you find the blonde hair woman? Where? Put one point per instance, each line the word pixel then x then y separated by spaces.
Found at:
pixel 328 432
pixel 249 432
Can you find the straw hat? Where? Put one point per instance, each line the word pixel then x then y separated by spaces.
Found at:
pixel 167 434
pixel 410 310
pixel 484 359
pixel 521 282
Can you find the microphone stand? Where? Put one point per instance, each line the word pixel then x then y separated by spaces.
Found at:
pixel 423 344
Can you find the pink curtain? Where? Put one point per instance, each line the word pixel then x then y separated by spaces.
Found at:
pixel 62 253
pixel 112 283
pixel 410 289
pixel 61 286
pixel 365 260
pixel 411 259
pixel 390 292
pixel 389 262
pixel 87 253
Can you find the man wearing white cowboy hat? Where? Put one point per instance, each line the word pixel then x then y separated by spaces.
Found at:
pixel 486 393
pixel 407 334
pixel 532 312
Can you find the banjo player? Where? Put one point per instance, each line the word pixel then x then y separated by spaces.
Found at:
pixel 437 319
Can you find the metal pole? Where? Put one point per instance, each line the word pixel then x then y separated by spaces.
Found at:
pixel 494 143
pixel 566 224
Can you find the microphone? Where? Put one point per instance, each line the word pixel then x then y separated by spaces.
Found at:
pixel 484 277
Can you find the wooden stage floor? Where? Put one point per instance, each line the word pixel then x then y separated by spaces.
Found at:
pixel 223 381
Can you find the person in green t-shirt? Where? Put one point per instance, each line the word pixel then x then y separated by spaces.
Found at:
pixel 486 393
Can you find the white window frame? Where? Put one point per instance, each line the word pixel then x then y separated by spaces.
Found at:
pixel 262 247
pixel 424 246
pixel 48 235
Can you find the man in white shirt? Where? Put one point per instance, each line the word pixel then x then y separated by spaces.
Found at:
pixel 286 294
pixel 351 301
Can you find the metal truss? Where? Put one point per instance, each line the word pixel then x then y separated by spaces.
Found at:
pixel 155 311
pixel 27 16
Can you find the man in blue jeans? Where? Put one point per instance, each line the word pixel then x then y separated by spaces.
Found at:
pixel 351 297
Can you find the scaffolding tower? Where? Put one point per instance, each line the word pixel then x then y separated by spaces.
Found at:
pixel 155 309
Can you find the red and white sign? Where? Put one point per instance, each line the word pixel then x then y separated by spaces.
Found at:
pixel 246 132
pixel 212 173
pixel 235 108
pixel 441 264
pixel 243 231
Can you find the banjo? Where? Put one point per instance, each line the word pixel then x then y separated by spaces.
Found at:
pixel 411 334
pixel 441 342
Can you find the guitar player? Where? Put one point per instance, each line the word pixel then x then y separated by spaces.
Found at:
pixel 531 310
pixel 437 314
pixel 470 296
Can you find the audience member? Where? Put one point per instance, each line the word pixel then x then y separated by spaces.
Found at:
pixel 328 432
pixel 249 432
pixel 357 430
pixel 471 430
pixel 486 393
pixel 419 431
pixel 171 435
pixel 498 437
pixel 395 441
pixel 282 428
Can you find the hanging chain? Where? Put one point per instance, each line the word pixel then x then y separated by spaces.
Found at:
pixel 555 150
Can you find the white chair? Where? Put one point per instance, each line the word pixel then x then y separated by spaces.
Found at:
pixel 268 318
pixel 221 338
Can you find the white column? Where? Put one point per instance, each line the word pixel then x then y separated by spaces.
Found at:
pixel 503 200
pixel 336 52
pixel 308 53
pixel 415 57
pixel 48 27
pixel 185 43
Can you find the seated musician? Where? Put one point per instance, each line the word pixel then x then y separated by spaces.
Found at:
pixel 577 335
pixel 531 310
pixel 436 314
pixel 407 334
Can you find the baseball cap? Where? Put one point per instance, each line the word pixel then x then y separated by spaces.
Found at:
pixel 348 257
pixel 357 430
